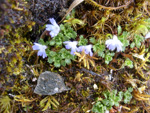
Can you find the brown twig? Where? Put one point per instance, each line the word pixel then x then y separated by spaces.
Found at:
pixel 104 7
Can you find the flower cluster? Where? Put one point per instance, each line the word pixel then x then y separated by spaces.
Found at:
pixel 111 44
pixel 54 29
pixel 73 46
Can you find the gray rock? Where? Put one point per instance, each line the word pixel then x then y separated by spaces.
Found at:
pixel 50 83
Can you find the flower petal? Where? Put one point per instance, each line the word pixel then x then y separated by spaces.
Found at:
pixel 44 54
pixel 41 49
pixel 147 35
pixel 49 27
pixel 52 20
pixel 36 46
pixel 87 49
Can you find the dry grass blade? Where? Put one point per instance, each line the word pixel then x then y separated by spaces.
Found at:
pixel 140 97
pixel 73 5
pixel 92 2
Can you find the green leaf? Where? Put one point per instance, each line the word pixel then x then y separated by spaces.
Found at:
pixel 111 102
pixel 74 35
pixel 108 58
pixel 92 40
pixel 50 60
pixel 123 39
pixel 130 89
pixel 63 50
pixel 128 63
pixel 109 35
pixel 59 43
pixel 41 41
pixel 105 102
pixel 127 97
pixel 52 42
pixel 102 47
pixel 138 39
pixel 101 54
pixel 52 53
pixel 82 41
pixel 98 47
pixel 68 61
pixel 95 47
pixel 56 64
pixel 141 29
pixel 68 35
pixel 62 27
pixel 63 63
pixel 116 104
pixel 120 95
pixel 119 29
pixel 132 45
pixel 106 94
pixel 98 107
pixel 111 54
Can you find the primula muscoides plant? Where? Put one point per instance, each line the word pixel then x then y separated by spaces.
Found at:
pixel 61 37
pixel 62 44
pixel 112 99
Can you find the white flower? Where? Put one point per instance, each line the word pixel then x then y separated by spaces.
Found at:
pixel 53 27
pixel 41 49
pixel 114 43
pixel 87 49
pixel 147 35
pixel 107 111
pixel 120 107
pixel 72 46
pixel 95 86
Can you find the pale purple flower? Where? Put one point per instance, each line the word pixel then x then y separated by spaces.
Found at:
pixel 114 43
pixel 53 27
pixel 107 111
pixel 147 35
pixel 87 49
pixel 72 46
pixel 41 49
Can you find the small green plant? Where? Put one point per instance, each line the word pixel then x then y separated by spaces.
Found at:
pixel 99 48
pixel 123 39
pixel 108 57
pixel 127 95
pixel 138 39
pixel 128 63
pixel 112 99
pixel 102 48
pixel 65 34
pixel 58 55
pixel 62 57
pixel 82 41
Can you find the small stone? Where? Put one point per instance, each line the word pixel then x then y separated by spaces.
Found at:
pixel 50 83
